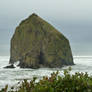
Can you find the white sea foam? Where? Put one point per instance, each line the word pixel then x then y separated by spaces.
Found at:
pixel 82 56
pixel 12 76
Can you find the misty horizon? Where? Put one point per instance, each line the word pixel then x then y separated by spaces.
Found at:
pixel 72 18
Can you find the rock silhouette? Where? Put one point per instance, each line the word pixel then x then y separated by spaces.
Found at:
pixel 37 43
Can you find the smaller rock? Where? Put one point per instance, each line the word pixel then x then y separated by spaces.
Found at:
pixel 10 66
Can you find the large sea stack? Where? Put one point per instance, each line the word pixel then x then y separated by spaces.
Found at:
pixel 36 44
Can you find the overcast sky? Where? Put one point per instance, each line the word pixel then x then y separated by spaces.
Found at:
pixel 73 18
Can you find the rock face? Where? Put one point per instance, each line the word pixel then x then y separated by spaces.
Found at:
pixel 36 43
pixel 10 66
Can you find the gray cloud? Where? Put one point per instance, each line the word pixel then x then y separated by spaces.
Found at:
pixel 71 17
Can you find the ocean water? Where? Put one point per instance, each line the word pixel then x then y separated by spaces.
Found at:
pixel 12 76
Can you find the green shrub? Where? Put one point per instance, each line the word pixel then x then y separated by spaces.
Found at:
pixel 78 82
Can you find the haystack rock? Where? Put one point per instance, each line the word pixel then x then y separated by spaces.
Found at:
pixel 36 44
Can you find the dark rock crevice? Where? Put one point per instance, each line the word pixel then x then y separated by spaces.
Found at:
pixel 41 58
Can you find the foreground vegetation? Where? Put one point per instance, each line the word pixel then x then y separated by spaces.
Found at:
pixel 78 82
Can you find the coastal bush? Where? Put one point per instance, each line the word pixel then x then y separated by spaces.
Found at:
pixel 78 82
